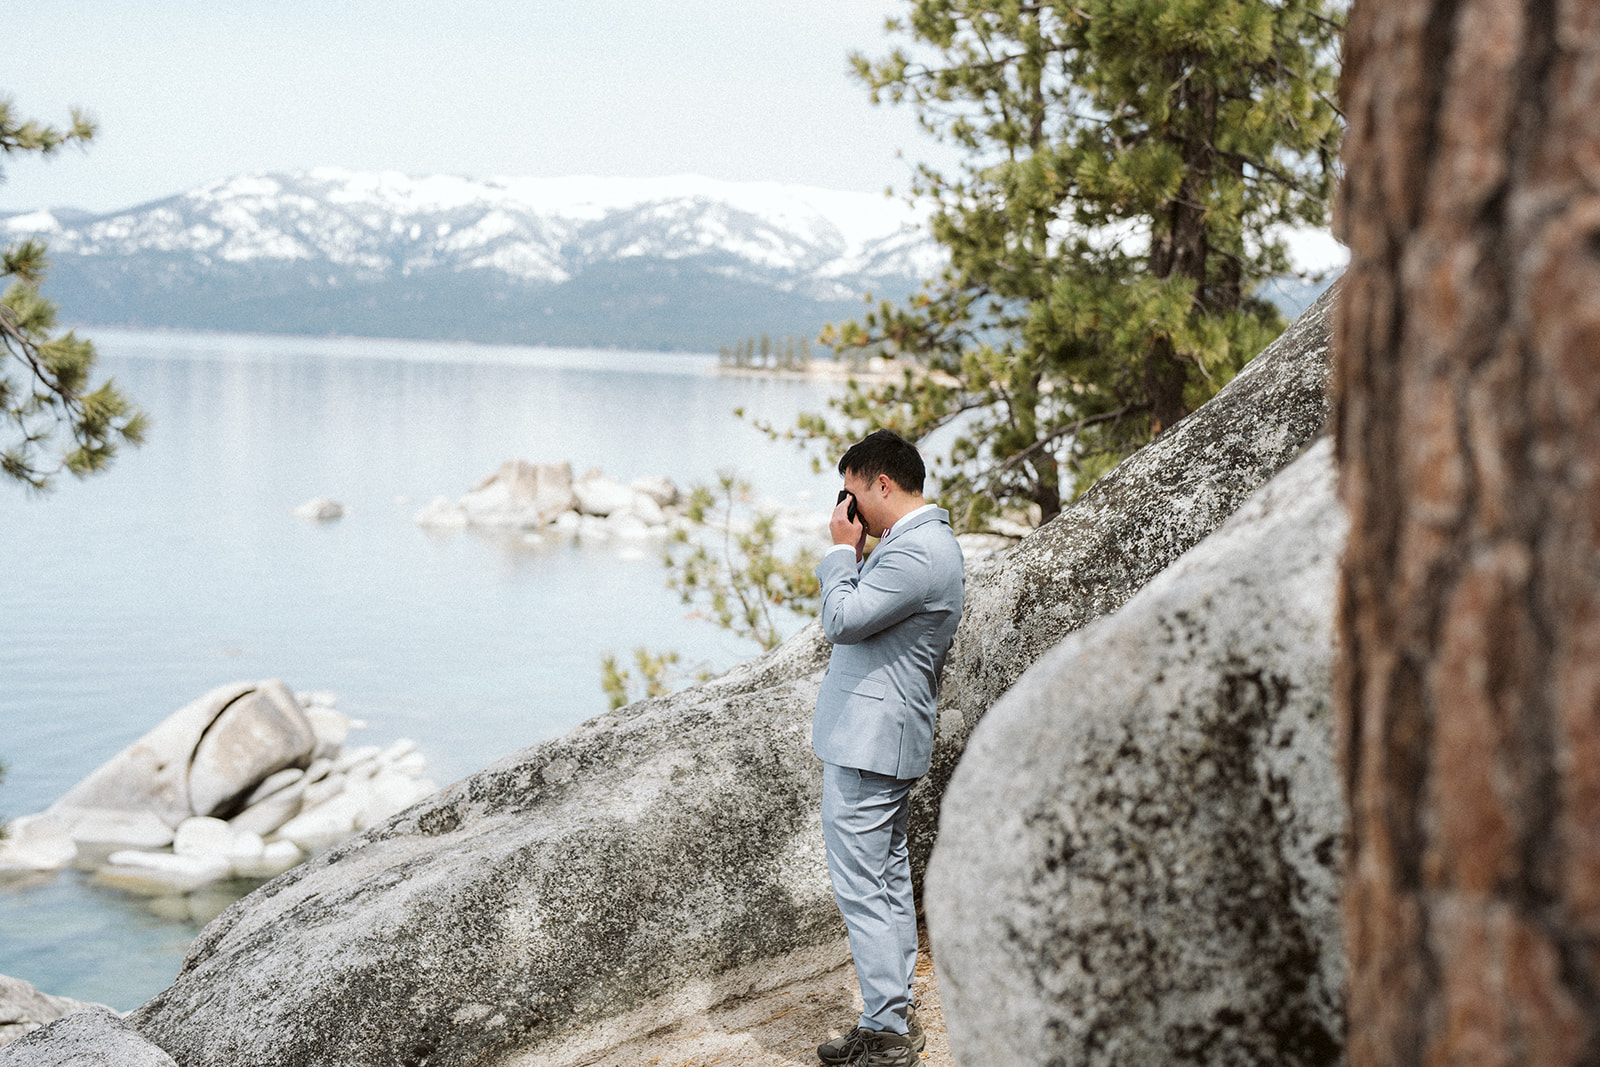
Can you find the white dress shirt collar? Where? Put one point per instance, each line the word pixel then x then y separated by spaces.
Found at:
pixel 890 531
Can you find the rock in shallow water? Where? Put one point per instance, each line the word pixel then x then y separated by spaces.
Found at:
pixel 319 509
pixel 254 737
pixel 161 873
pixel 201 759
pixel 36 843
pixel 102 826
pixel 239 737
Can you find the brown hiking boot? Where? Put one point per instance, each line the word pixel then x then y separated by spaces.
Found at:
pixel 843 1049
pixel 884 1048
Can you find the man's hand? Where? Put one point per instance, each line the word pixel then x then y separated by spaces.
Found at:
pixel 845 532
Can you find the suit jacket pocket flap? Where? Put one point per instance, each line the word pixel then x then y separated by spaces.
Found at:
pixel 867 687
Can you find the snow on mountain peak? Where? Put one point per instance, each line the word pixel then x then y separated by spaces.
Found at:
pixel 858 218
pixel 534 229
pixel 41 221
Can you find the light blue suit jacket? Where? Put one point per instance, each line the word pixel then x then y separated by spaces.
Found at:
pixel 891 620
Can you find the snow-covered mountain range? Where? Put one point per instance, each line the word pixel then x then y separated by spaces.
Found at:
pixel 682 262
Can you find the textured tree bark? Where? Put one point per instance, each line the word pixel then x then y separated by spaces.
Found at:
pixel 1468 411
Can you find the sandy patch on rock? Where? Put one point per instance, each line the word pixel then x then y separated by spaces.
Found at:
pixel 777 1029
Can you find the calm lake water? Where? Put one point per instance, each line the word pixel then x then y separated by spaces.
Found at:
pixel 130 594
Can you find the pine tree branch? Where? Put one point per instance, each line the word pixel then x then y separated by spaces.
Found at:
pixel 20 345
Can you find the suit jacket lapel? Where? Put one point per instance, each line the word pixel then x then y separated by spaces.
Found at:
pixel 900 529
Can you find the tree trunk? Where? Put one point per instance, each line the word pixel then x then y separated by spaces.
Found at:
pixel 1164 378
pixel 1182 247
pixel 1468 407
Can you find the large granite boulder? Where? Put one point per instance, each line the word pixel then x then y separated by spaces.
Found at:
pixel 1138 860
pixel 668 855
pixel 93 1037
pixel 203 759
pixel 23 1009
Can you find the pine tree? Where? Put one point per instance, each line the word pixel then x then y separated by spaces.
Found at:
pixel 45 378
pixel 1128 166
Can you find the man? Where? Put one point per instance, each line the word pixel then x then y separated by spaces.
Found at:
pixel 891 620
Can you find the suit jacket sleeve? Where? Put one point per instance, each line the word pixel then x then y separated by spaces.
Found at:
pixel 856 605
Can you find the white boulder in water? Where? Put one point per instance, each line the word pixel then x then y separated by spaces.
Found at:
pixel 161 872
pixel 36 843
pixel 255 736
pixel 319 509
pixel 237 783
pixel 520 494
pixel 207 754
pixel 600 496
pixel 527 496
pixel 659 488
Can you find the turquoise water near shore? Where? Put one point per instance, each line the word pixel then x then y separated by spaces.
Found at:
pixel 131 593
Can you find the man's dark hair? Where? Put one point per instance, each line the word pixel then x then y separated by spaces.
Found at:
pixel 885 452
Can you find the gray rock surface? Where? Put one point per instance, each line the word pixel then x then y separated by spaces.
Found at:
pixel 24 1009
pixel 93 1037
pixel 668 855
pixel 1138 860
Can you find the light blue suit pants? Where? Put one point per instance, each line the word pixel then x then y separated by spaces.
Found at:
pixel 864 826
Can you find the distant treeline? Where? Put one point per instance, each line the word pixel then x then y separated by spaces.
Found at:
pixel 787 353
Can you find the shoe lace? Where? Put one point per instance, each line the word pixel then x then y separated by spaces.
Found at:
pixel 855 1043
pixel 866 1055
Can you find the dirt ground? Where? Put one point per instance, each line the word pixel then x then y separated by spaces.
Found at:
pixel 778 1029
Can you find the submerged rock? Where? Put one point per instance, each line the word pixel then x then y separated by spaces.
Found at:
pixel 1138 859
pixel 668 855
pixel 442 513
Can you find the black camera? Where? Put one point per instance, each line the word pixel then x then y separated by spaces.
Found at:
pixel 850 512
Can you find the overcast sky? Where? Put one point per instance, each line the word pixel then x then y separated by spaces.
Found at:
pixel 191 90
